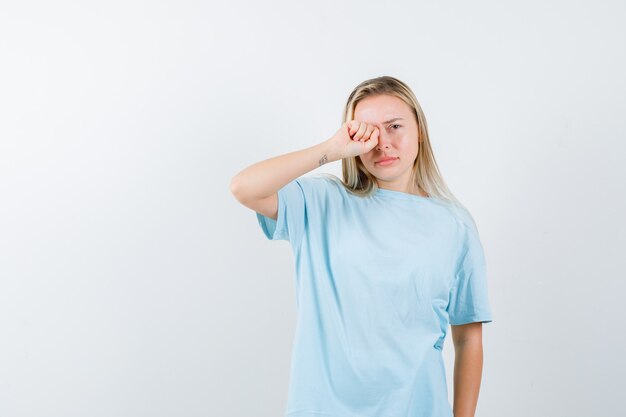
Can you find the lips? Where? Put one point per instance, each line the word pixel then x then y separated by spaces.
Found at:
pixel 387 158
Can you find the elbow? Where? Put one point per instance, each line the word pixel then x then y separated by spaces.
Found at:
pixel 234 187
pixel 236 190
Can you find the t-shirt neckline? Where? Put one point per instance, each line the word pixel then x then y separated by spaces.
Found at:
pixel 401 194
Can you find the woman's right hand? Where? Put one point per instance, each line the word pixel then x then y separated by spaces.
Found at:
pixel 354 138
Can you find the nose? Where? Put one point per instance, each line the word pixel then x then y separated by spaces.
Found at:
pixel 383 141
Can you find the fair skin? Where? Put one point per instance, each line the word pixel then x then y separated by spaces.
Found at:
pixel 397 137
pixel 369 138
pixel 468 365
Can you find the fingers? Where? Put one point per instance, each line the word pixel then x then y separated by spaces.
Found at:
pixel 375 134
pixel 360 134
pixel 373 140
pixel 360 131
pixel 355 129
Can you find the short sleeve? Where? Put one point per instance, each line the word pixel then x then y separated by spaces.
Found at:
pixel 290 220
pixel 469 300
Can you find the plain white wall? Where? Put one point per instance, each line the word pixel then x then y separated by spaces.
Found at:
pixel 132 283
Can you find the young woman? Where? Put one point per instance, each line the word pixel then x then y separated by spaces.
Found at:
pixel 385 260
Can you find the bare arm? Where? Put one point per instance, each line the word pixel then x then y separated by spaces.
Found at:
pixel 256 187
pixel 468 364
pixel 265 178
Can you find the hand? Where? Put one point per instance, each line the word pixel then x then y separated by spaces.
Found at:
pixel 354 138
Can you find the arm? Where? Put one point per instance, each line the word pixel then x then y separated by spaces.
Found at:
pixel 468 364
pixel 256 186
pixel 264 178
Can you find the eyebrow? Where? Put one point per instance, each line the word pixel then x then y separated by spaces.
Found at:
pixel 392 120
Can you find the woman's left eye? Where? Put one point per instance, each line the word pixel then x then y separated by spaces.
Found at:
pixel 395 125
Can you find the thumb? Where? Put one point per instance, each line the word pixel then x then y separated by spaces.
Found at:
pixel 373 141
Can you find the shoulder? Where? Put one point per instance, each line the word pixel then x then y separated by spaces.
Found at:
pixel 320 183
pixel 464 218
pixel 460 217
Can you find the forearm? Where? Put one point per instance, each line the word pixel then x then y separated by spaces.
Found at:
pixel 264 178
pixel 468 364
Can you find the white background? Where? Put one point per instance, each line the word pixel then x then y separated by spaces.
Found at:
pixel 132 283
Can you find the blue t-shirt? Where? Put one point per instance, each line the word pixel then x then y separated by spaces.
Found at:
pixel 378 280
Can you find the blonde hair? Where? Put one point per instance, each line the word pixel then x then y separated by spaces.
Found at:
pixel 425 173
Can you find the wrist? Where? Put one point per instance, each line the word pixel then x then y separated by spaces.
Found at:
pixel 329 152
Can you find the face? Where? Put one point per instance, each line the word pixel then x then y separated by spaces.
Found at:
pixel 397 138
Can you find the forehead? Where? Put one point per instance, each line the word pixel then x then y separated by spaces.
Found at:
pixel 377 109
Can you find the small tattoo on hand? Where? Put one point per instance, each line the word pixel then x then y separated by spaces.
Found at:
pixel 323 160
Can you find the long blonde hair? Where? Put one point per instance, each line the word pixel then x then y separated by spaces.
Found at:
pixel 425 173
